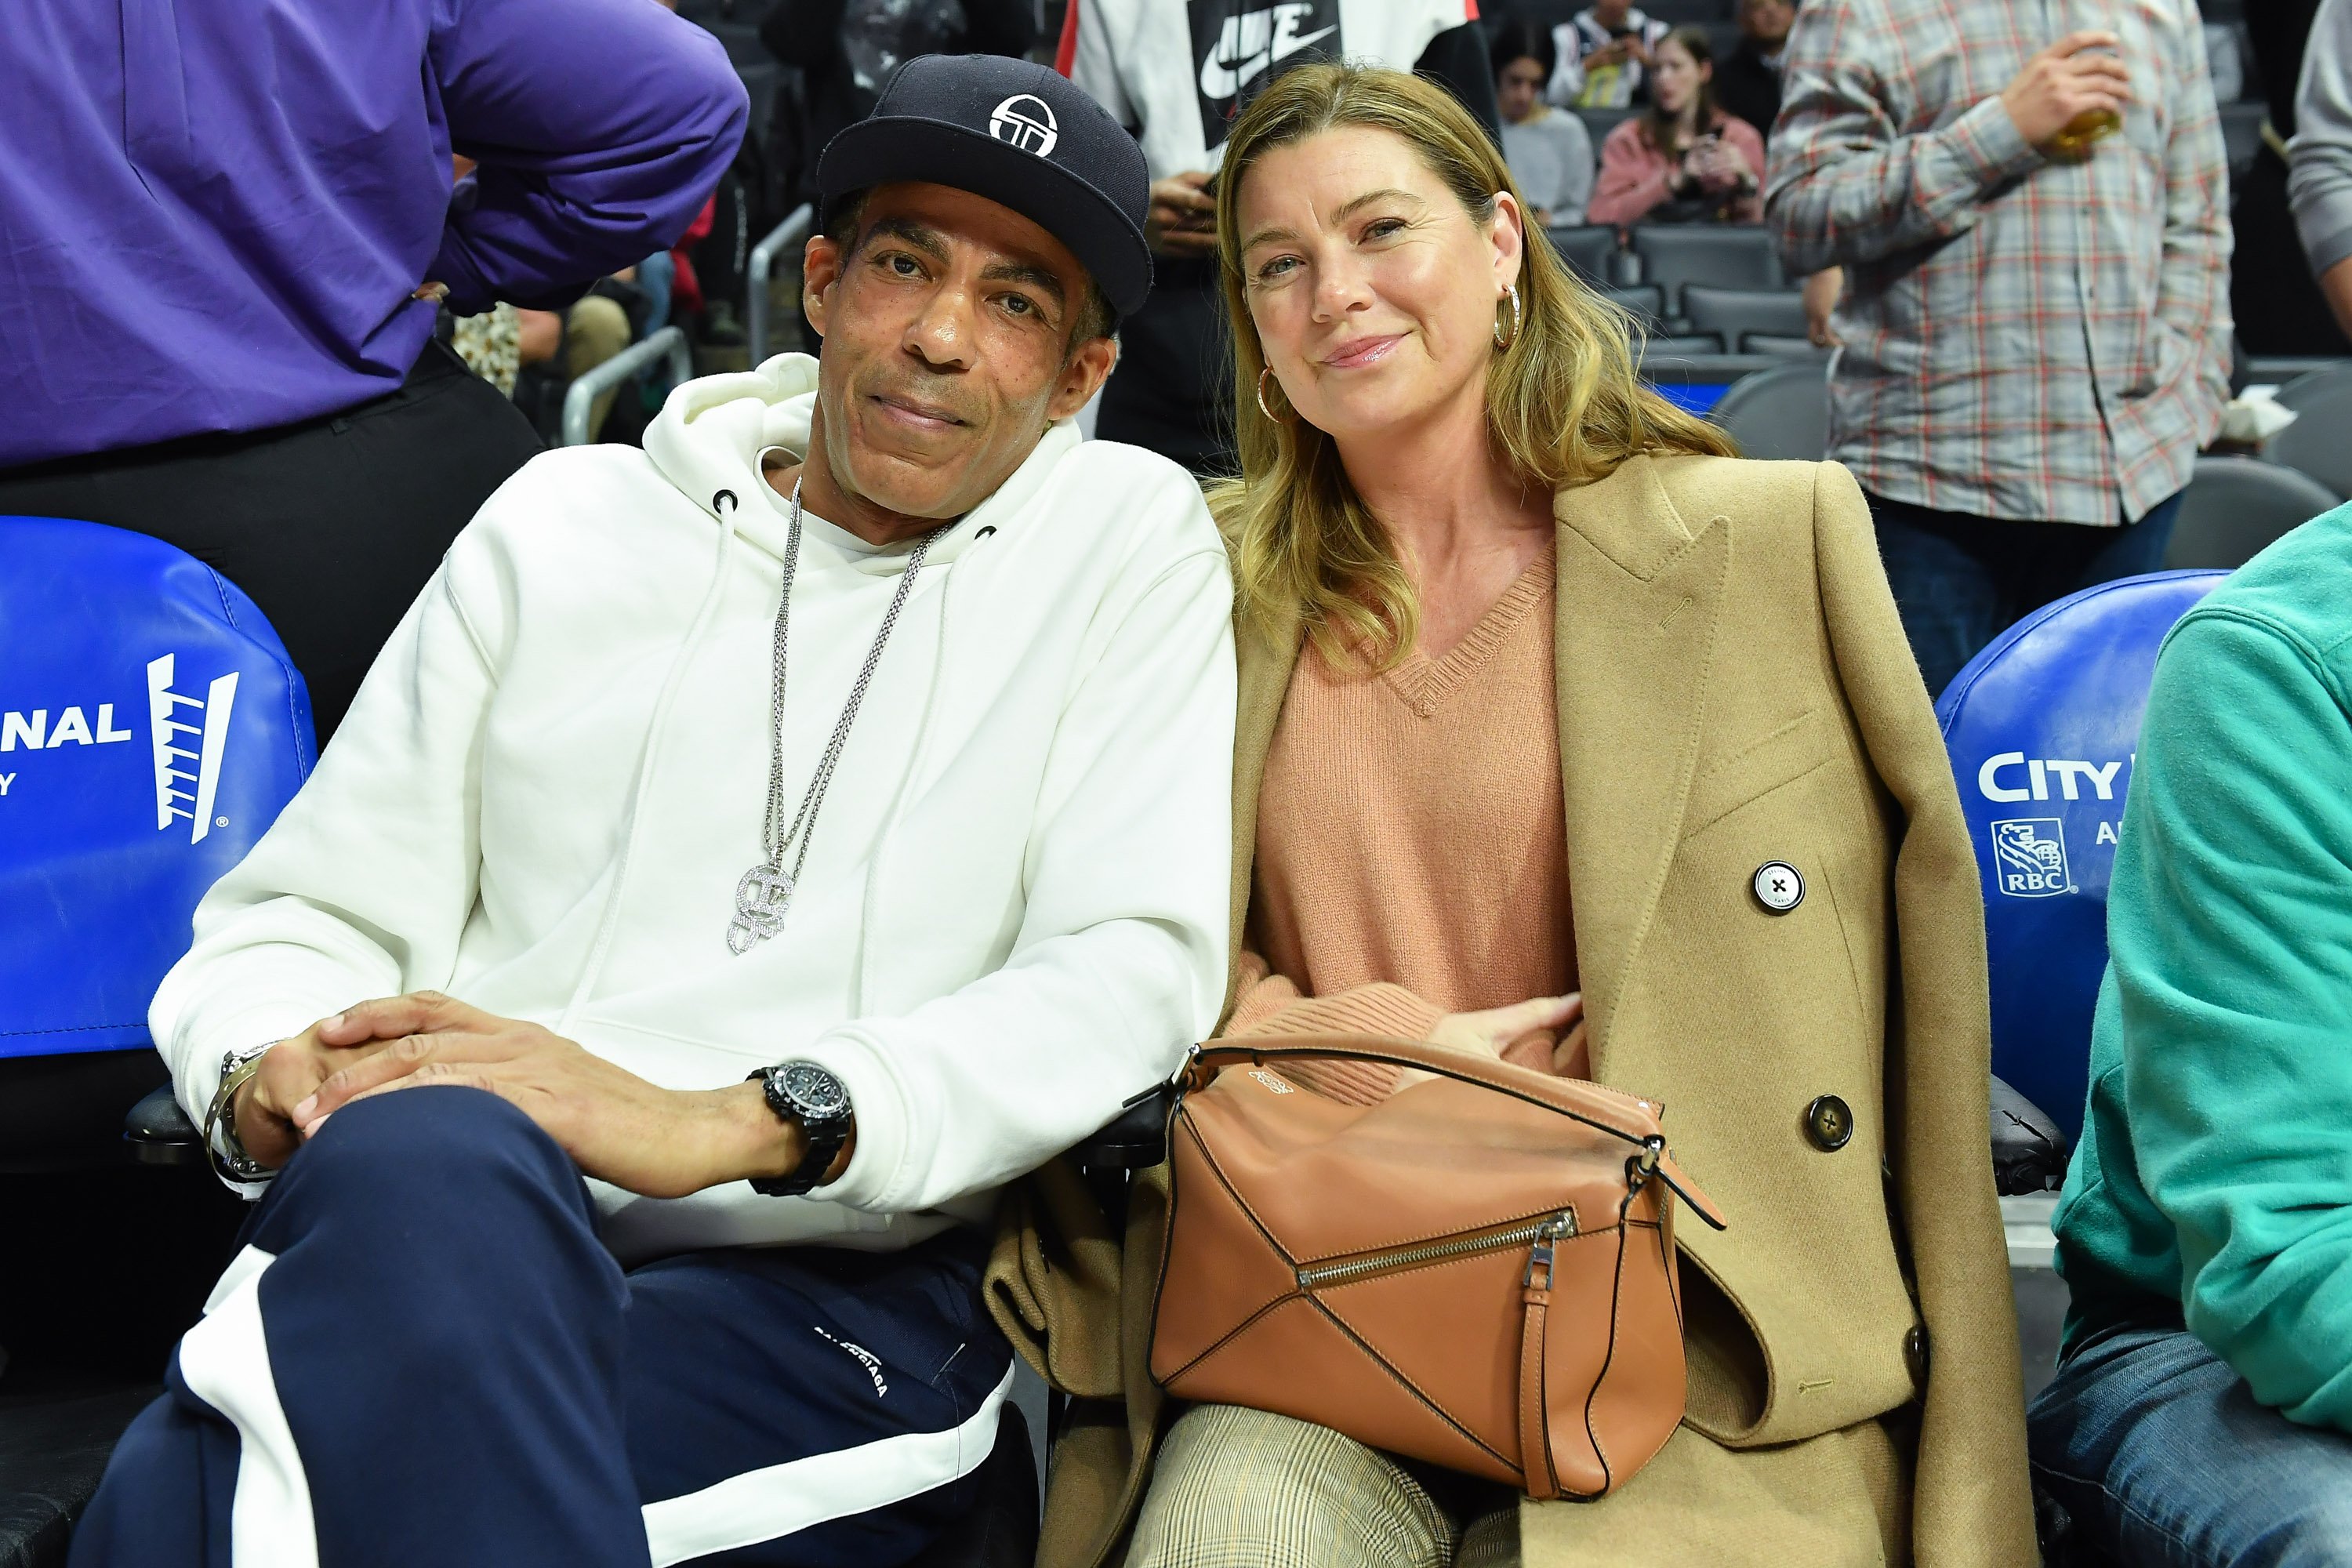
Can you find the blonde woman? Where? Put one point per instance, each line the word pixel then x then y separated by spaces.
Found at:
pixel 1566 735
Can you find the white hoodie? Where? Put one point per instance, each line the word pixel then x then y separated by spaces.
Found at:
pixel 1012 916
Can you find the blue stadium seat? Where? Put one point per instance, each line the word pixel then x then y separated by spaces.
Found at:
pixel 2042 727
pixel 151 729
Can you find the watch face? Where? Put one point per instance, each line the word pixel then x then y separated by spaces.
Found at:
pixel 814 1090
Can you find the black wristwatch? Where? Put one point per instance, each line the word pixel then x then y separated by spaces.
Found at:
pixel 806 1093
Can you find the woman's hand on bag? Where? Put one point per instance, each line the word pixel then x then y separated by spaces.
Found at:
pixel 1546 1034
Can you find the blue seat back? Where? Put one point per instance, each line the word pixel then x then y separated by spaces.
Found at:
pixel 2042 727
pixel 151 729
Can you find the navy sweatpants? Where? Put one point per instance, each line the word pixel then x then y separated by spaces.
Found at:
pixel 423 1354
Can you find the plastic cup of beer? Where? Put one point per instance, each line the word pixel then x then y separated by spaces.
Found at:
pixel 2075 140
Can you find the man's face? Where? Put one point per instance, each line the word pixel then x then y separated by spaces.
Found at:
pixel 1767 21
pixel 947 323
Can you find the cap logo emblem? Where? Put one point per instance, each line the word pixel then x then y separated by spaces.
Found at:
pixel 1027 123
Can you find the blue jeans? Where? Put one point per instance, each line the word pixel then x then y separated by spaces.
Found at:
pixel 2155 1448
pixel 1960 581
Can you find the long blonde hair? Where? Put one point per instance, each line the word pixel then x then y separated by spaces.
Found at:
pixel 1564 405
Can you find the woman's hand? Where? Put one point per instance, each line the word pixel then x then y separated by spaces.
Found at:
pixel 1545 1033
pixel 1718 165
pixel 1690 175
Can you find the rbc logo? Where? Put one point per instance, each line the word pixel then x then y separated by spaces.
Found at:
pixel 1025 122
pixel 2030 856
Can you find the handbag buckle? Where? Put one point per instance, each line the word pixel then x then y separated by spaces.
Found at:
pixel 1559 1224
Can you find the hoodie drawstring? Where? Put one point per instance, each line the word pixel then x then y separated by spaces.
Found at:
pixel 609 921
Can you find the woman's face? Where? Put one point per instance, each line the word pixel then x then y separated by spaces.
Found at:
pixel 1674 79
pixel 1372 289
pixel 1518 86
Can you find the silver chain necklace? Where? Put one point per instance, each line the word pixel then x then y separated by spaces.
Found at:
pixel 765 892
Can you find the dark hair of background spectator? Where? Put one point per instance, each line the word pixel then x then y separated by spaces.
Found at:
pixel 1522 39
pixel 1657 125
pixel 1095 319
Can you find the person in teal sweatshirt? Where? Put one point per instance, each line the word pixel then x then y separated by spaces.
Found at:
pixel 2201 1413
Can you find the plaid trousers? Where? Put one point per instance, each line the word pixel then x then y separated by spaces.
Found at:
pixel 1243 1488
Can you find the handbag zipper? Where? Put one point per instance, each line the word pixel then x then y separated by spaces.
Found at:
pixel 1542 1232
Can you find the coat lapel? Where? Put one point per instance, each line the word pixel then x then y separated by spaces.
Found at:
pixel 1639 595
pixel 1266 648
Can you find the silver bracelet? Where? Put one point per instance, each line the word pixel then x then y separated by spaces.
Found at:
pixel 228 1156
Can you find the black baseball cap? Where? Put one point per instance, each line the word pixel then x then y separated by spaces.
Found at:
pixel 1019 133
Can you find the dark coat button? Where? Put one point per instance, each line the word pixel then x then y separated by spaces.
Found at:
pixel 1828 1122
pixel 1914 1354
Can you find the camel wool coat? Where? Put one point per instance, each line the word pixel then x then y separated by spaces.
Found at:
pixel 1734 689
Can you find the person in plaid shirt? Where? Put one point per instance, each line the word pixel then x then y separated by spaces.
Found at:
pixel 2036 335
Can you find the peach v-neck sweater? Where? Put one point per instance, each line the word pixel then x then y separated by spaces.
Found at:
pixel 1412 856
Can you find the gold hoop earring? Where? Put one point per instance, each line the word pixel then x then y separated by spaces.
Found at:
pixel 1262 408
pixel 1502 344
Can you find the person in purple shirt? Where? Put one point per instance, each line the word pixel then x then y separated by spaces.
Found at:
pixel 222 230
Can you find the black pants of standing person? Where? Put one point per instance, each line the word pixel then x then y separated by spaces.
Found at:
pixel 1170 391
pixel 332 525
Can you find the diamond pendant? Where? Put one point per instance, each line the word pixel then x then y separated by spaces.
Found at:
pixel 760 900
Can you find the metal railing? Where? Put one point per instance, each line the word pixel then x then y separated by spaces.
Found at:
pixel 584 390
pixel 791 232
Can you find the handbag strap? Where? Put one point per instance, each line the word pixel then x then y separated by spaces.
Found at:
pixel 1596 1106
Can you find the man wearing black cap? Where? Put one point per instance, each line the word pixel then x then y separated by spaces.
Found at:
pixel 733 999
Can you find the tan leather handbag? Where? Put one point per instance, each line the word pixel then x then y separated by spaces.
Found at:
pixel 1478 1271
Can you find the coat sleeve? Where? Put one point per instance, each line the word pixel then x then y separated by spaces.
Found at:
pixel 1843 183
pixel 1971 1484
pixel 1120 963
pixel 2232 970
pixel 601 126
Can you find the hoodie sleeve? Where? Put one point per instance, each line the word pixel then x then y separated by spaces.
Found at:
pixel 2230 929
pixel 1120 959
pixel 364 884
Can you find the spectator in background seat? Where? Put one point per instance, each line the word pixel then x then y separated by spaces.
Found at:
pixel 1748 84
pixel 1686 160
pixel 2036 314
pixel 846 50
pixel 1548 149
pixel 2201 1413
pixel 1604 56
pixel 224 229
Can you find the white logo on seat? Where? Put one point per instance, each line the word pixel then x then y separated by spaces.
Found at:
pixel 1026 122
pixel 167 726
pixel 2030 858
